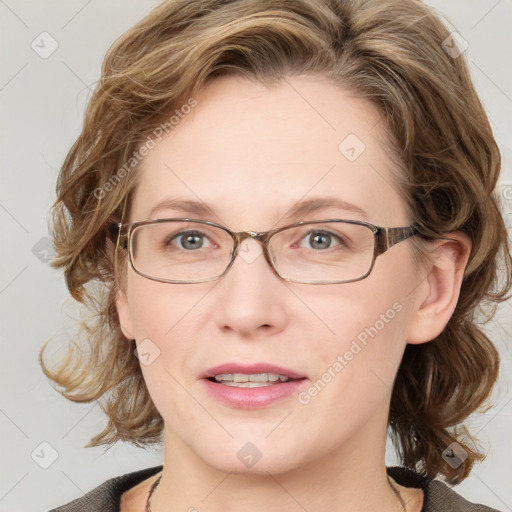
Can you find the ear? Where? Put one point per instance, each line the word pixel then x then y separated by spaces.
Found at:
pixel 439 292
pixel 123 311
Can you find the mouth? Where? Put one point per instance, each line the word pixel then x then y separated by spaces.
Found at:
pixel 250 375
pixel 253 380
pixel 233 384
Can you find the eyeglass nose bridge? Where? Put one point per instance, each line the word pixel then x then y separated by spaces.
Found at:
pixel 262 237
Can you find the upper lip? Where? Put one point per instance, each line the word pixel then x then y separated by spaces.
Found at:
pixel 250 369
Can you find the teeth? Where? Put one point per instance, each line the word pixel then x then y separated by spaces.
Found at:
pixel 256 378
pixel 224 376
pixel 246 384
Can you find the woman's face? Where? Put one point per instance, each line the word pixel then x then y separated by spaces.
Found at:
pixel 251 153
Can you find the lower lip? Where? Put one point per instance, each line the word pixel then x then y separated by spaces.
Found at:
pixel 253 398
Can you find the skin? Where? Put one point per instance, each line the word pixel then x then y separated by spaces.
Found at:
pixel 250 152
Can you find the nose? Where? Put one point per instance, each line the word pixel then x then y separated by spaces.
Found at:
pixel 250 297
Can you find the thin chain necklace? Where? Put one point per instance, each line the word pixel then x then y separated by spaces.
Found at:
pixel 151 491
pixel 397 494
pixel 157 481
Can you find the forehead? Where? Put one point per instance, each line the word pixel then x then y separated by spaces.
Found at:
pixel 250 152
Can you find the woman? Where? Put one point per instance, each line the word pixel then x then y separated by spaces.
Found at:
pixel 289 210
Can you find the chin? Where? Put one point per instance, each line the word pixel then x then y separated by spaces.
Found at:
pixel 275 465
pixel 252 455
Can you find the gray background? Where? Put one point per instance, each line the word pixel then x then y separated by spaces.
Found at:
pixel 42 102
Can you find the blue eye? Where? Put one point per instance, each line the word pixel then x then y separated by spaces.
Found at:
pixel 322 239
pixel 188 240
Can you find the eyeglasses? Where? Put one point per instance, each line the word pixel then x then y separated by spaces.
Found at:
pixel 316 252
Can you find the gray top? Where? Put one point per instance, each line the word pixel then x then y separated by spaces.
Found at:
pixel 439 497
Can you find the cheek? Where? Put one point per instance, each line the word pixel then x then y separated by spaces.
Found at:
pixel 166 319
pixel 363 326
pixel 163 318
pixel 150 317
pixel 366 331
pixel 354 368
pixel 156 309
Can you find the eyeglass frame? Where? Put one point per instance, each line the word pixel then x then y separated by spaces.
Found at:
pixel 383 239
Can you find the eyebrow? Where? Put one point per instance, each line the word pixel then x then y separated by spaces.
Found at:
pixel 299 208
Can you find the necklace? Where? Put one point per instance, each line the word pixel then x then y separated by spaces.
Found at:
pixel 397 494
pixel 151 491
pixel 157 481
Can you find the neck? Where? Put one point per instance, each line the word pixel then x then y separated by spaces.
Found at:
pixel 352 478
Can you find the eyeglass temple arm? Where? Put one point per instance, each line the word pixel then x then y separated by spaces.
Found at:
pixel 114 231
pixel 387 237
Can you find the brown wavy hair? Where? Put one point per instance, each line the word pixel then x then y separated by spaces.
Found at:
pixel 387 51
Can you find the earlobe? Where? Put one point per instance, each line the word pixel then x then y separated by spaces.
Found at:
pixel 123 311
pixel 439 292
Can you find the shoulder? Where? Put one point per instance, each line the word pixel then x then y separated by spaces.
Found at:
pixel 438 497
pixel 442 497
pixel 106 497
